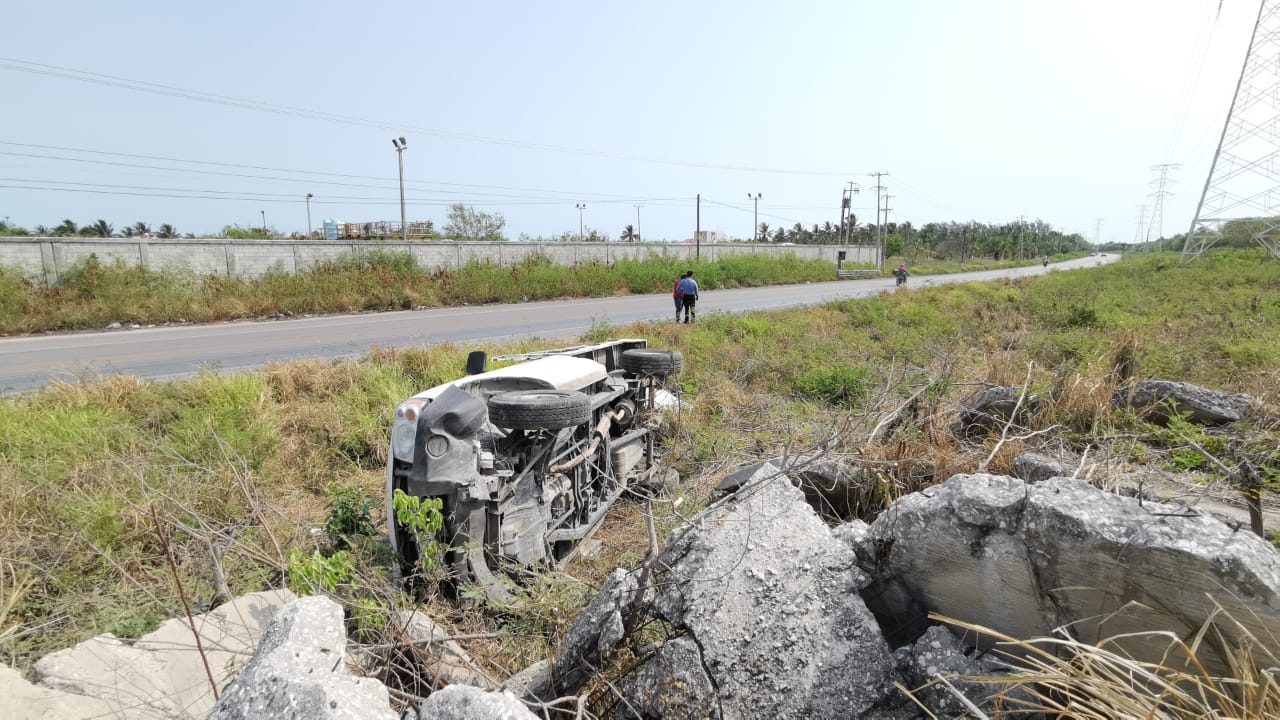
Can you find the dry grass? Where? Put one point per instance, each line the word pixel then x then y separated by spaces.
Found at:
pixel 1065 678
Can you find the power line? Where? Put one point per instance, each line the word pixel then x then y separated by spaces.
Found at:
pixel 124 83
pixel 289 170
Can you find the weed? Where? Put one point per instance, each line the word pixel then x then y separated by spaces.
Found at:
pixel 348 516
pixel 309 573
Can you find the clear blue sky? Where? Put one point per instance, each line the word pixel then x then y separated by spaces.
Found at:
pixel 982 109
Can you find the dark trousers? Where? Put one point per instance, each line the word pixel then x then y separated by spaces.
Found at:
pixel 689 302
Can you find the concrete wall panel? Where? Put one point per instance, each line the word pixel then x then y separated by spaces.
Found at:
pixel 51 257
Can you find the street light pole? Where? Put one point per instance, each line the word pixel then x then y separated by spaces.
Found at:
pixel 638 237
pixel 755 216
pixel 264 222
pixel 400 146
pixel 581 207
pixel 309 216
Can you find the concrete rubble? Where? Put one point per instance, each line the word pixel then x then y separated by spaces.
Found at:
pixel 771 613
pixel 1160 400
pixel 300 671
pixel 768 603
pixel 1027 559
pixel 160 675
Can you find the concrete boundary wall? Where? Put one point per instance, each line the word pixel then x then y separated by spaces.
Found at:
pixel 50 258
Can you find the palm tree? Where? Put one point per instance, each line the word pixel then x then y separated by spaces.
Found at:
pixel 101 229
pixel 167 231
pixel 141 228
pixel 764 232
pixel 629 234
pixel 66 228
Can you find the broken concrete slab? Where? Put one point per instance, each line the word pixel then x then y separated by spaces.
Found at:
pixel 463 702
pixel 994 408
pixel 162 673
pixel 589 644
pixel 1160 400
pixel 299 670
pixel 1035 467
pixel 673 684
pixel 24 700
pixel 837 491
pixel 768 598
pixel 1026 559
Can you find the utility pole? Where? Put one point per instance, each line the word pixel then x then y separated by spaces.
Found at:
pixel 264 223
pixel 400 146
pixel 887 198
pixel 309 216
pixel 755 217
pixel 638 236
pixel 1097 233
pixel 846 212
pixel 1022 234
pixel 581 207
pixel 697 232
pixel 879 236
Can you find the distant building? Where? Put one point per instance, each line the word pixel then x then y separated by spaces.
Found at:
pixel 708 236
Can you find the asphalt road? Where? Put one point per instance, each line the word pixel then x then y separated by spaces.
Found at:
pixel 30 362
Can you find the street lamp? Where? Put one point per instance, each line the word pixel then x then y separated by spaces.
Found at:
pixel 264 223
pixel 309 216
pixel 755 216
pixel 581 207
pixel 638 238
pixel 400 145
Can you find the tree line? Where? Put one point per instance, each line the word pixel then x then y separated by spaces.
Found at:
pixel 1000 241
pixel 100 228
pixel 959 240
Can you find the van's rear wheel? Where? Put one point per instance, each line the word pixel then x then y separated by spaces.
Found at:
pixel 539 409
pixel 658 363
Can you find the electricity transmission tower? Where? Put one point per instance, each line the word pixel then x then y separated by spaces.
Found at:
pixel 1244 178
pixel 1158 196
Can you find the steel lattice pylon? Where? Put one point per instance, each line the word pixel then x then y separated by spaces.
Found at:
pixel 1244 179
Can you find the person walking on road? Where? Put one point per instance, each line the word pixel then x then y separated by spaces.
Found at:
pixel 688 288
pixel 677 295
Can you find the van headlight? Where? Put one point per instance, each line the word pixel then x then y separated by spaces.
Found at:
pixel 405 429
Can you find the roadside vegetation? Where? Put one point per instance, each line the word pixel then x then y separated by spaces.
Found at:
pixel 276 476
pixel 95 294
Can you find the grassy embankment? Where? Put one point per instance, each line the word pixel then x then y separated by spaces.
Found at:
pixel 94 294
pixel 246 464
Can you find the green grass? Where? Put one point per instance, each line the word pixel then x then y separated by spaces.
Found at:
pixel 94 294
pixel 251 456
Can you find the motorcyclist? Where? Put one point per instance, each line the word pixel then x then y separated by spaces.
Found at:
pixel 901 274
pixel 1046 261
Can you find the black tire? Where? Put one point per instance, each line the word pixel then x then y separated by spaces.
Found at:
pixel 539 409
pixel 658 363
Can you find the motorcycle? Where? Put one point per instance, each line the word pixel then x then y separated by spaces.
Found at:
pixel 902 279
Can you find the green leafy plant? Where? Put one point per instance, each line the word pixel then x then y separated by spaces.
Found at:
pixel 308 573
pixel 348 516
pixel 423 517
